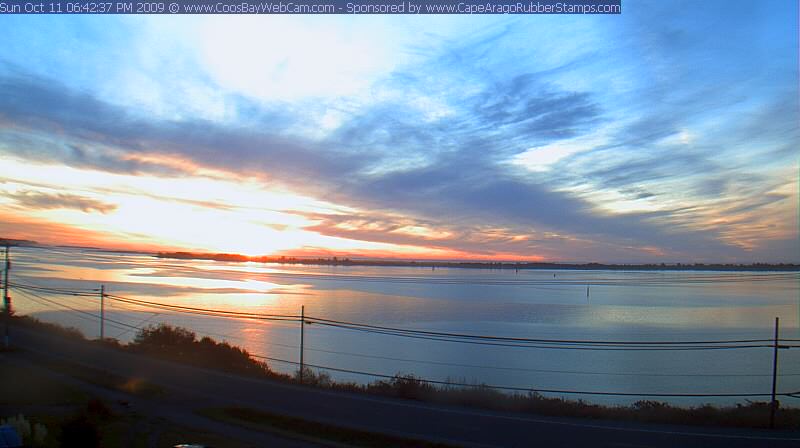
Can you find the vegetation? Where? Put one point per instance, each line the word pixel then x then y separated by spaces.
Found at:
pixel 181 345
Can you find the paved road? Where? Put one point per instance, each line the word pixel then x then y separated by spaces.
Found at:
pixel 156 408
pixel 192 387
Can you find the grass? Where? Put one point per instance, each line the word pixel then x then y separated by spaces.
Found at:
pixel 102 378
pixel 310 430
pixel 21 385
pixel 27 390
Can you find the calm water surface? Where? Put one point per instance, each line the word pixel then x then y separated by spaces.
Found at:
pixel 635 306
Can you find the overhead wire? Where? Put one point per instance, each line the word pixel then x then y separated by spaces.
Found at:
pixel 206 311
pixel 524 369
pixel 518 339
pixel 574 344
pixel 520 389
pixel 620 347
pixel 566 344
pixel 80 313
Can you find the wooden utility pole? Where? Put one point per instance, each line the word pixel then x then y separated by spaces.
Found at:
pixel 6 297
pixel 102 312
pixel 302 337
pixel 774 404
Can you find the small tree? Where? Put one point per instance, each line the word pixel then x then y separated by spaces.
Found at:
pixel 164 336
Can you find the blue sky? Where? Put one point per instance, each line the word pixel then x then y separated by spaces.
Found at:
pixel 666 133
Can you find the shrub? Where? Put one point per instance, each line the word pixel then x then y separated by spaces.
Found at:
pixel 181 345
pixel 311 378
pixel 156 337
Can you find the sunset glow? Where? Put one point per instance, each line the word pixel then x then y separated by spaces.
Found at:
pixel 377 137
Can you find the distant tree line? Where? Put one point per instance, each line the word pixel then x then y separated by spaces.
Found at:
pixel 486 264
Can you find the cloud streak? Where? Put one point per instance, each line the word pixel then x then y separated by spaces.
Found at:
pixel 38 200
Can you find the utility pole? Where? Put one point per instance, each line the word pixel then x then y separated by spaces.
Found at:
pixel 102 311
pixel 6 297
pixel 302 337
pixel 774 403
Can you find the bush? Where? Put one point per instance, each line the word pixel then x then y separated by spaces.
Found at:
pixel 311 378
pixel 157 337
pixel 181 345
pixel 404 386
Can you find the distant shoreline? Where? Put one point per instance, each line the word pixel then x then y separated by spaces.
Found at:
pixel 515 265
pixel 433 264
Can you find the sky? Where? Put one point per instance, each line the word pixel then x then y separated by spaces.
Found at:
pixel 668 133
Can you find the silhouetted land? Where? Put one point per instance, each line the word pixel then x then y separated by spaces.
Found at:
pixel 346 261
pixel 336 261
pixel 14 242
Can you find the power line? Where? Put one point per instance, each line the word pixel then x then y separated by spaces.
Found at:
pixel 523 369
pixel 516 339
pixel 207 311
pixel 30 295
pixel 621 347
pixel 457 384
pixel 521 389
pixel 79 293
pixel 428 362
pixel 139 325
pixel 520 369
pixel 200 332
pixel 572 344
pixel 79 313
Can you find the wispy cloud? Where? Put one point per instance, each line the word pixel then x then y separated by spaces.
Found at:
pixel 38 200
